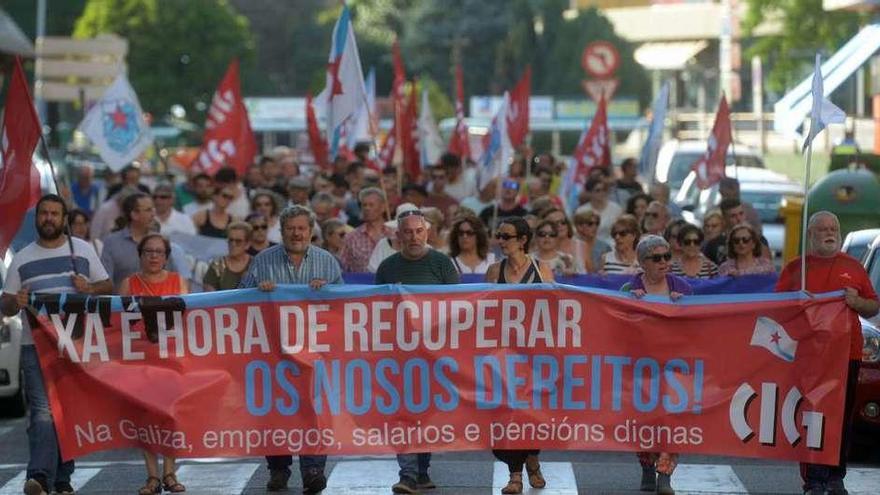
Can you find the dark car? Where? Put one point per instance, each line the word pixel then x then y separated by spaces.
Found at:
pixel 867 421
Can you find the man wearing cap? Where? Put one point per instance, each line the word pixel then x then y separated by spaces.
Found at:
pixel 170 220
pixel 298 191
pixel 415 264
pixel 508 206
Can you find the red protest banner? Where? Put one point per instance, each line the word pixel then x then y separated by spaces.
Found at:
pixel 406 369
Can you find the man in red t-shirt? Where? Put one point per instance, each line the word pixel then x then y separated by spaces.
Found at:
pixel 831 270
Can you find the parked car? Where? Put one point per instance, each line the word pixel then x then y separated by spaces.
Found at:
pixel 764 189
pixel 12 399
pixel 675 159
pixel 867 421
pixel 857 242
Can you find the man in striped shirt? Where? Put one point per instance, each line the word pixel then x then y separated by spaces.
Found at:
pixel 47 265
pixel 294 261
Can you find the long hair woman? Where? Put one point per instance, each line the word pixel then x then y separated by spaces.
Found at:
pixel 469 245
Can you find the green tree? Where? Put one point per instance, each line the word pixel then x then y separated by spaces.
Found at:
pixel 178 51
pixel 805 29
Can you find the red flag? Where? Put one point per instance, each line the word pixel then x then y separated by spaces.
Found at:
pixel 710 167
pixel 409 137
pixel 19 179
pixel 228 140
pixel 397 86
pixel 459 143
pixel 594 147
pixel 518 111
pixel 317 143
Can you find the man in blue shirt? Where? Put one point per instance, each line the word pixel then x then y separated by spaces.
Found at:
pixel 294 261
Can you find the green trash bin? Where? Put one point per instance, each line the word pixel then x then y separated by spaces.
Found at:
pixel 853 195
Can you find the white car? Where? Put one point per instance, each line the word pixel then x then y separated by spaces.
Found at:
pixel 12 399
pixel 763 188
pixel 675 159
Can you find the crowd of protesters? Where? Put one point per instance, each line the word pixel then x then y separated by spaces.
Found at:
pixel 287 225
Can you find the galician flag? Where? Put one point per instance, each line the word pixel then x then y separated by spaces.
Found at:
pixel 823 111
pixel 771 336
pixel 362 127
pixel 116 125
pixel 497 150
pixel 430 142
pixel 648 161
pixel 344 92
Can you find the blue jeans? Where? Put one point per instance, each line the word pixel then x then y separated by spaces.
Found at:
pixel 413 465
pixel 306 462
pixel 45 460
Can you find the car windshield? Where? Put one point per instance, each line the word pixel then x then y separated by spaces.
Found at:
pixel 857 251
pixel 682 161
pixel 765 203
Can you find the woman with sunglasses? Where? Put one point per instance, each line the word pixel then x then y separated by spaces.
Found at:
pixel 654 255
pixel 213 221
pixel 259 233
pixel 469 245
pixel 547 249
pixel 588 249
pixel 154 280
pixel 693 263
pixel 334 231
pixel 622 258
pixel 514 236
pixel 225 272
pixel 744 253
pixel 713 225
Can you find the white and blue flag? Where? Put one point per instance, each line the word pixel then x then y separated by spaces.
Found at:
pixel 648 161
pixel 823 111
pixel 497 150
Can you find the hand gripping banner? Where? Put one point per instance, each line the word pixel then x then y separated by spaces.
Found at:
pixel 383 369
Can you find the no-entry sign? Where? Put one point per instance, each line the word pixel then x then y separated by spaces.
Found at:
pixel 600 59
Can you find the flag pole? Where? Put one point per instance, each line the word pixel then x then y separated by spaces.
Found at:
pixel 374 132
pixel 805 216
pixel 57 188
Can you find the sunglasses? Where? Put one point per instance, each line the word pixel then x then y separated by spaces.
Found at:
pixel 693 241
pixel 161 196
pixel 467 233
pixel 259 227
pixel 505 237
pixel 741 240
pixel 620 233
pixel 657 258
pixel 547 234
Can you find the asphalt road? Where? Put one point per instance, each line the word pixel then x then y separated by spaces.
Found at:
pixel 122 472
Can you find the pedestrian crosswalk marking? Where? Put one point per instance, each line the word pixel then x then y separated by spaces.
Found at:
pixel 559 475
pixel 706 478
pixel 861 481
pixel 78 480
pixel 216 478
pixel 372 476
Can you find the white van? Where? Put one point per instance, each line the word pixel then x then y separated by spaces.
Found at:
pixel 676 158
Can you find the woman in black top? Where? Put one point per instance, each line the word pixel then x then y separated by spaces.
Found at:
pixel 514 236
pixel 213 221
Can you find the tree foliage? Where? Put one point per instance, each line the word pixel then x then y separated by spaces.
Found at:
pixel 805 29
pixel 178 50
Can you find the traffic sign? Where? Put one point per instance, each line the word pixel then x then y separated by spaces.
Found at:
pixel 600 59
pixel 600 87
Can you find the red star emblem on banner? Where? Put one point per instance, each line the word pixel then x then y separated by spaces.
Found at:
pixel 120 119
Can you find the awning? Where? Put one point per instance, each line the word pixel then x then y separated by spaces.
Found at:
pixel 668 56
pixel 12 39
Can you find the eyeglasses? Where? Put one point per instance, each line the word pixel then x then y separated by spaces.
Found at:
pixel 505 237
pixel 236 241
pixel 741 240
pixel 546 234
pixel 657 258
pixel 161 196
pixel 154 252
pixel 467 233
pixel 692 241
pixel 620 233
pixel 259 227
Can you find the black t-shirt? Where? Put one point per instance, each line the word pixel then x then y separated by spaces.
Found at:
pixel 488 212
pixel 433 268
pixel 253 252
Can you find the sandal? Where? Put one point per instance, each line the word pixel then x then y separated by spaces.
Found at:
pixel 515 485
pixel 151 487
pixel 533 468
pixel 170 483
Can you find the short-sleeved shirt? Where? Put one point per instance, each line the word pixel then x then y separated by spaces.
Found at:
pixel 120 257
pixel 432 268
pixel 50 271
pixel 827 274
pixel 273 264
pixel 356 251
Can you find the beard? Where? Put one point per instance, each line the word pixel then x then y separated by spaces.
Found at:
pixel 50 232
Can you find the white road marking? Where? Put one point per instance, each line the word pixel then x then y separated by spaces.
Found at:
pixel 216 478
pixel 370 476
pixel 80 477
pixel 861 481
pixel 706 478
pixel 559 476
